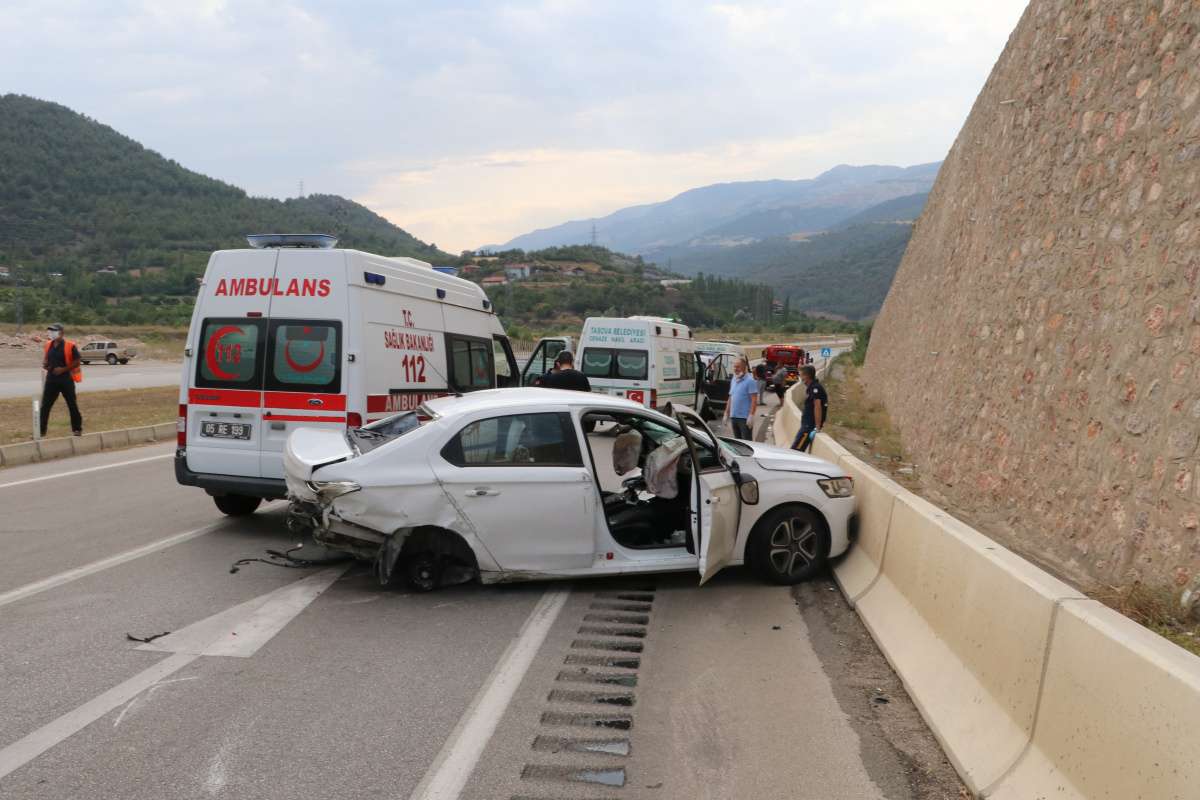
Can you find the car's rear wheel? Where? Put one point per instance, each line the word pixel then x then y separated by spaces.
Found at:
pixel 110 358
pixel 788 545
pixel 423 572
pixel 237 505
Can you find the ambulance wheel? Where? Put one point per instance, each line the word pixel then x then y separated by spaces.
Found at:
pixel 237 505
pixel 788 545
pixel 111 359
pixel 423 572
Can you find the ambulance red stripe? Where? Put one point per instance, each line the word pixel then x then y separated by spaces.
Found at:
pixel 301 418
pixel 245 398
pixel 329 402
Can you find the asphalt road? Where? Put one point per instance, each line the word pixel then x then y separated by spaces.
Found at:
pixel 317 683
pixel 27 381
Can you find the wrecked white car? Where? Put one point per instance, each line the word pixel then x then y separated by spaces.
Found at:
pixel 524 484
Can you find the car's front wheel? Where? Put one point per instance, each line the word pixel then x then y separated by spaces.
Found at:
pixel 788 545
pixel 237 505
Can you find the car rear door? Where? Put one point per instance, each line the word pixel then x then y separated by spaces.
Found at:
pixel 303 371
pixel 716 505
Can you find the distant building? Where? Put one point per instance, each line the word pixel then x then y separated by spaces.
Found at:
pixel 577 272
pixel 56 274
pixel 517 272
pixel 669 282
pixel 4 274
pixel 494 280
pixel 109 270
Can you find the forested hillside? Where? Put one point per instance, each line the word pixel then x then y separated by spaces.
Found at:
pixel 76 196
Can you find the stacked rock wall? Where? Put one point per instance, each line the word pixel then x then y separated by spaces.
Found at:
pixel 1040 347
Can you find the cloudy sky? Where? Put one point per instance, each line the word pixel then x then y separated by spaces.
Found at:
pixel 468 123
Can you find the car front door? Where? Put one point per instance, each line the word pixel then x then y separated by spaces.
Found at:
pixel 542 359
pixel 521 481
pixel 716 505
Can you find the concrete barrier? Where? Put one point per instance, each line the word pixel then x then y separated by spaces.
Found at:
pixel 142 435
pixel 965 623
pixel 55 448
pixel 1117 718
pixel 861 566
pixel 165 431
pixel 22 453
pixel 12 455
pixel 87 444
pixel 111 439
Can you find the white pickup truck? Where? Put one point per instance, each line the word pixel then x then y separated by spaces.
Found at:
pixel 108 351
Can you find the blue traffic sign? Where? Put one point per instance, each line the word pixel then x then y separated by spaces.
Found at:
pixel 826 352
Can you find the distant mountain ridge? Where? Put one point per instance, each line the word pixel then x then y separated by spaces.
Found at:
pixel 76 192
pixel 740 211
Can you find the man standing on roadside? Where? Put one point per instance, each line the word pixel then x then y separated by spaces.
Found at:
pixel 564 375
pixel 743 400
pixel 816 409
pixel 60 359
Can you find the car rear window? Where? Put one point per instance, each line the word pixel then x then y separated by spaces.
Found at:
pixel 230 351
pixel 305 355
pixel 605 362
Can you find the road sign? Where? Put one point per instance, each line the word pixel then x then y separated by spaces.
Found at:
pixel 826 352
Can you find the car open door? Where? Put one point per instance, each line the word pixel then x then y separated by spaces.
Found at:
pixel 543 358
pixel 716 505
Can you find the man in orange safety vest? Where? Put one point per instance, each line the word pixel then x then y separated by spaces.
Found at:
pixel 60 359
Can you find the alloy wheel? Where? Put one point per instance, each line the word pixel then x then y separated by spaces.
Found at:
pixel 793 546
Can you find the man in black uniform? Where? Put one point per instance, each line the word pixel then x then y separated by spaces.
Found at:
pixel 61 362
pixel 816 409
pixel 564 375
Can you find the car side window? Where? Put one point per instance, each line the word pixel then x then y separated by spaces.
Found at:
pixel 516 440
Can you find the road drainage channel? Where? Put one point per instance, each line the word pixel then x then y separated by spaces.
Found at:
pixel 589 712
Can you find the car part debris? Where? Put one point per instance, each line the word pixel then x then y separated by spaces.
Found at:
pixel 146 640
pixel 285 559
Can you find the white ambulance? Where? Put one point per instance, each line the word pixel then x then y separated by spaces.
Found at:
pixel 650 360
pixel 295 333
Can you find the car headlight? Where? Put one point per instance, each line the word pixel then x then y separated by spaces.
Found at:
pixel 328 491
pixel 837 487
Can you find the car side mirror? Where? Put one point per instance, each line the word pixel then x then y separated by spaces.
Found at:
pixel 747 488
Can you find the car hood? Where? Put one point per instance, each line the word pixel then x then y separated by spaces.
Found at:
pixel 782 459
pixel 309 449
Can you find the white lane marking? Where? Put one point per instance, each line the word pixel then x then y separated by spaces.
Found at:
pixel 454 764
pixel 281 602
pixel 30 589
pixel 83 471
pixel 24 750
pixel 240 631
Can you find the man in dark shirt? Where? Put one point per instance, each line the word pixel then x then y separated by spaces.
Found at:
pixel 564 375
pixel 60 366
pixel 816 409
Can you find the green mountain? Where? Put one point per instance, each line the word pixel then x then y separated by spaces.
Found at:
pixel 74 192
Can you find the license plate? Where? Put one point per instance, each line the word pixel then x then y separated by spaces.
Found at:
pixel 225 430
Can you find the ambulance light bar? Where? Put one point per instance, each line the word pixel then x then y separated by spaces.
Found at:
pixel 319 241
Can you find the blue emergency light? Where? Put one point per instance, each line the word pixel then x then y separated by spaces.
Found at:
pixel 374 278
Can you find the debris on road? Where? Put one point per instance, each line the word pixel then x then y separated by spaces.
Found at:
pixel 147 639
pixel 278 558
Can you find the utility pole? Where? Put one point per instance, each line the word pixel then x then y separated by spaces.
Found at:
pixel 593 234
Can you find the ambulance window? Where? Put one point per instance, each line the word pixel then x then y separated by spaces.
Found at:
pixel 229 351
pixel 305 356
pixel 470 363
pixel 597 362
pixel 631 364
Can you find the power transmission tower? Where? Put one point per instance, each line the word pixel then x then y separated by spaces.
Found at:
pixel 302 187
pixel 593 234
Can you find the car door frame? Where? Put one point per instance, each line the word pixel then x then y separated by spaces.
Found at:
pixel 721 534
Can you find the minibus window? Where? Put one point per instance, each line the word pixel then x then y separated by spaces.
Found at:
pixel 305 356
pixel 631 364
pixel 597 362
pixel 229 353
pixel 687 367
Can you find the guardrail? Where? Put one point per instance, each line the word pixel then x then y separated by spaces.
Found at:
pixel 1033 690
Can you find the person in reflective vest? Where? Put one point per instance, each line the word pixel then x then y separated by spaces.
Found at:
pixel 60 359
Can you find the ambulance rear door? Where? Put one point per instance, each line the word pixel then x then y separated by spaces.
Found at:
pixel 226 364
pixel 304 365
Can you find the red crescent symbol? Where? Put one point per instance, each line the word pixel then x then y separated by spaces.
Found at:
pixel 210 352
pixel 287 356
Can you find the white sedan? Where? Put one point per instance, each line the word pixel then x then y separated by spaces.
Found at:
pixel 526 484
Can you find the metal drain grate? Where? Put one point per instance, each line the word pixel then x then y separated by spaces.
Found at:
pixel 606 678
pixel 633 597
pixel 594 698
pixel 606 630
pixel 617 647
pixel 583 719
pixel 623 619
pixel 563 744
pixel 602 776
pixel 622 662
pixel 606 605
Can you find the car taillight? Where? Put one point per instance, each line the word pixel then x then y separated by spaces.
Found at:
pixel 354 420
pixel 181 426
pixel 654 398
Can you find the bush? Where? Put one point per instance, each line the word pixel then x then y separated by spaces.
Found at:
pixel 859 354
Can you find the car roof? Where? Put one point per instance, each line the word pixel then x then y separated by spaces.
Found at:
pixel 513 400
